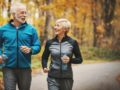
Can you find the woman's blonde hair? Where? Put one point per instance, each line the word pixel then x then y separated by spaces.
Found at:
pixel 65 23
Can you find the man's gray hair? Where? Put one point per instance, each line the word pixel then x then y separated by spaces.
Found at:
pixel 65 23
pixel 16 6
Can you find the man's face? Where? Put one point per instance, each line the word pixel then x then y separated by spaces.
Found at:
pixel 20 15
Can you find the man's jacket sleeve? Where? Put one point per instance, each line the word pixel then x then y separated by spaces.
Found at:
pixel 35 43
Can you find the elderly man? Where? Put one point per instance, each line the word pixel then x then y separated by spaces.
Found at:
pixel 18 41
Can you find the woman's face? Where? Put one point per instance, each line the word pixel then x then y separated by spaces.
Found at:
pixel 58 29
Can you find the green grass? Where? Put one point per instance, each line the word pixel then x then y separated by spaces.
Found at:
pixel 36 64
pixel 101 54
pixel 1 75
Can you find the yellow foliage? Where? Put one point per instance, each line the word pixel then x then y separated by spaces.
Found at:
pixel 47 7
pixel 100 29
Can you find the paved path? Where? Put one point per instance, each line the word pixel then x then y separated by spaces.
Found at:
pixel 87 77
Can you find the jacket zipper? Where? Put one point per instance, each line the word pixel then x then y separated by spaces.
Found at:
pixel 17 47
pixel 60 59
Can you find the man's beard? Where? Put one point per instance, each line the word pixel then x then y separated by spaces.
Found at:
pixel 20 19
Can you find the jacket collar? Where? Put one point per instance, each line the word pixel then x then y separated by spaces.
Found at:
pixel 21 26
pixel 64 38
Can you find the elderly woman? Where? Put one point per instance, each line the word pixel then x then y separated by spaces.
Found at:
pixel 61 48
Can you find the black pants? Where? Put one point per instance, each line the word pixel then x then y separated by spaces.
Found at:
pixel 22 77
pixel 59 84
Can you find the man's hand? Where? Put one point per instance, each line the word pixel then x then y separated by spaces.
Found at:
pixel 25 49
pixel 65 59
pixel 0 59
pixel 45 70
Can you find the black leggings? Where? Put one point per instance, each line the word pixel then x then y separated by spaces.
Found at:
pixel 59 84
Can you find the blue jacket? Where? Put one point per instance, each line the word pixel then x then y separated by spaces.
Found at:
pixel 11 38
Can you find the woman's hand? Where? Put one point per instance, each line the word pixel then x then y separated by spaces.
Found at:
pixel 45 70
pixel 65 59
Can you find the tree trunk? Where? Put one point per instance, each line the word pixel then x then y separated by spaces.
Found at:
pixel 9 5
pixel 94 20
pixel 47 21
pixel 108 15
pixel 108 12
